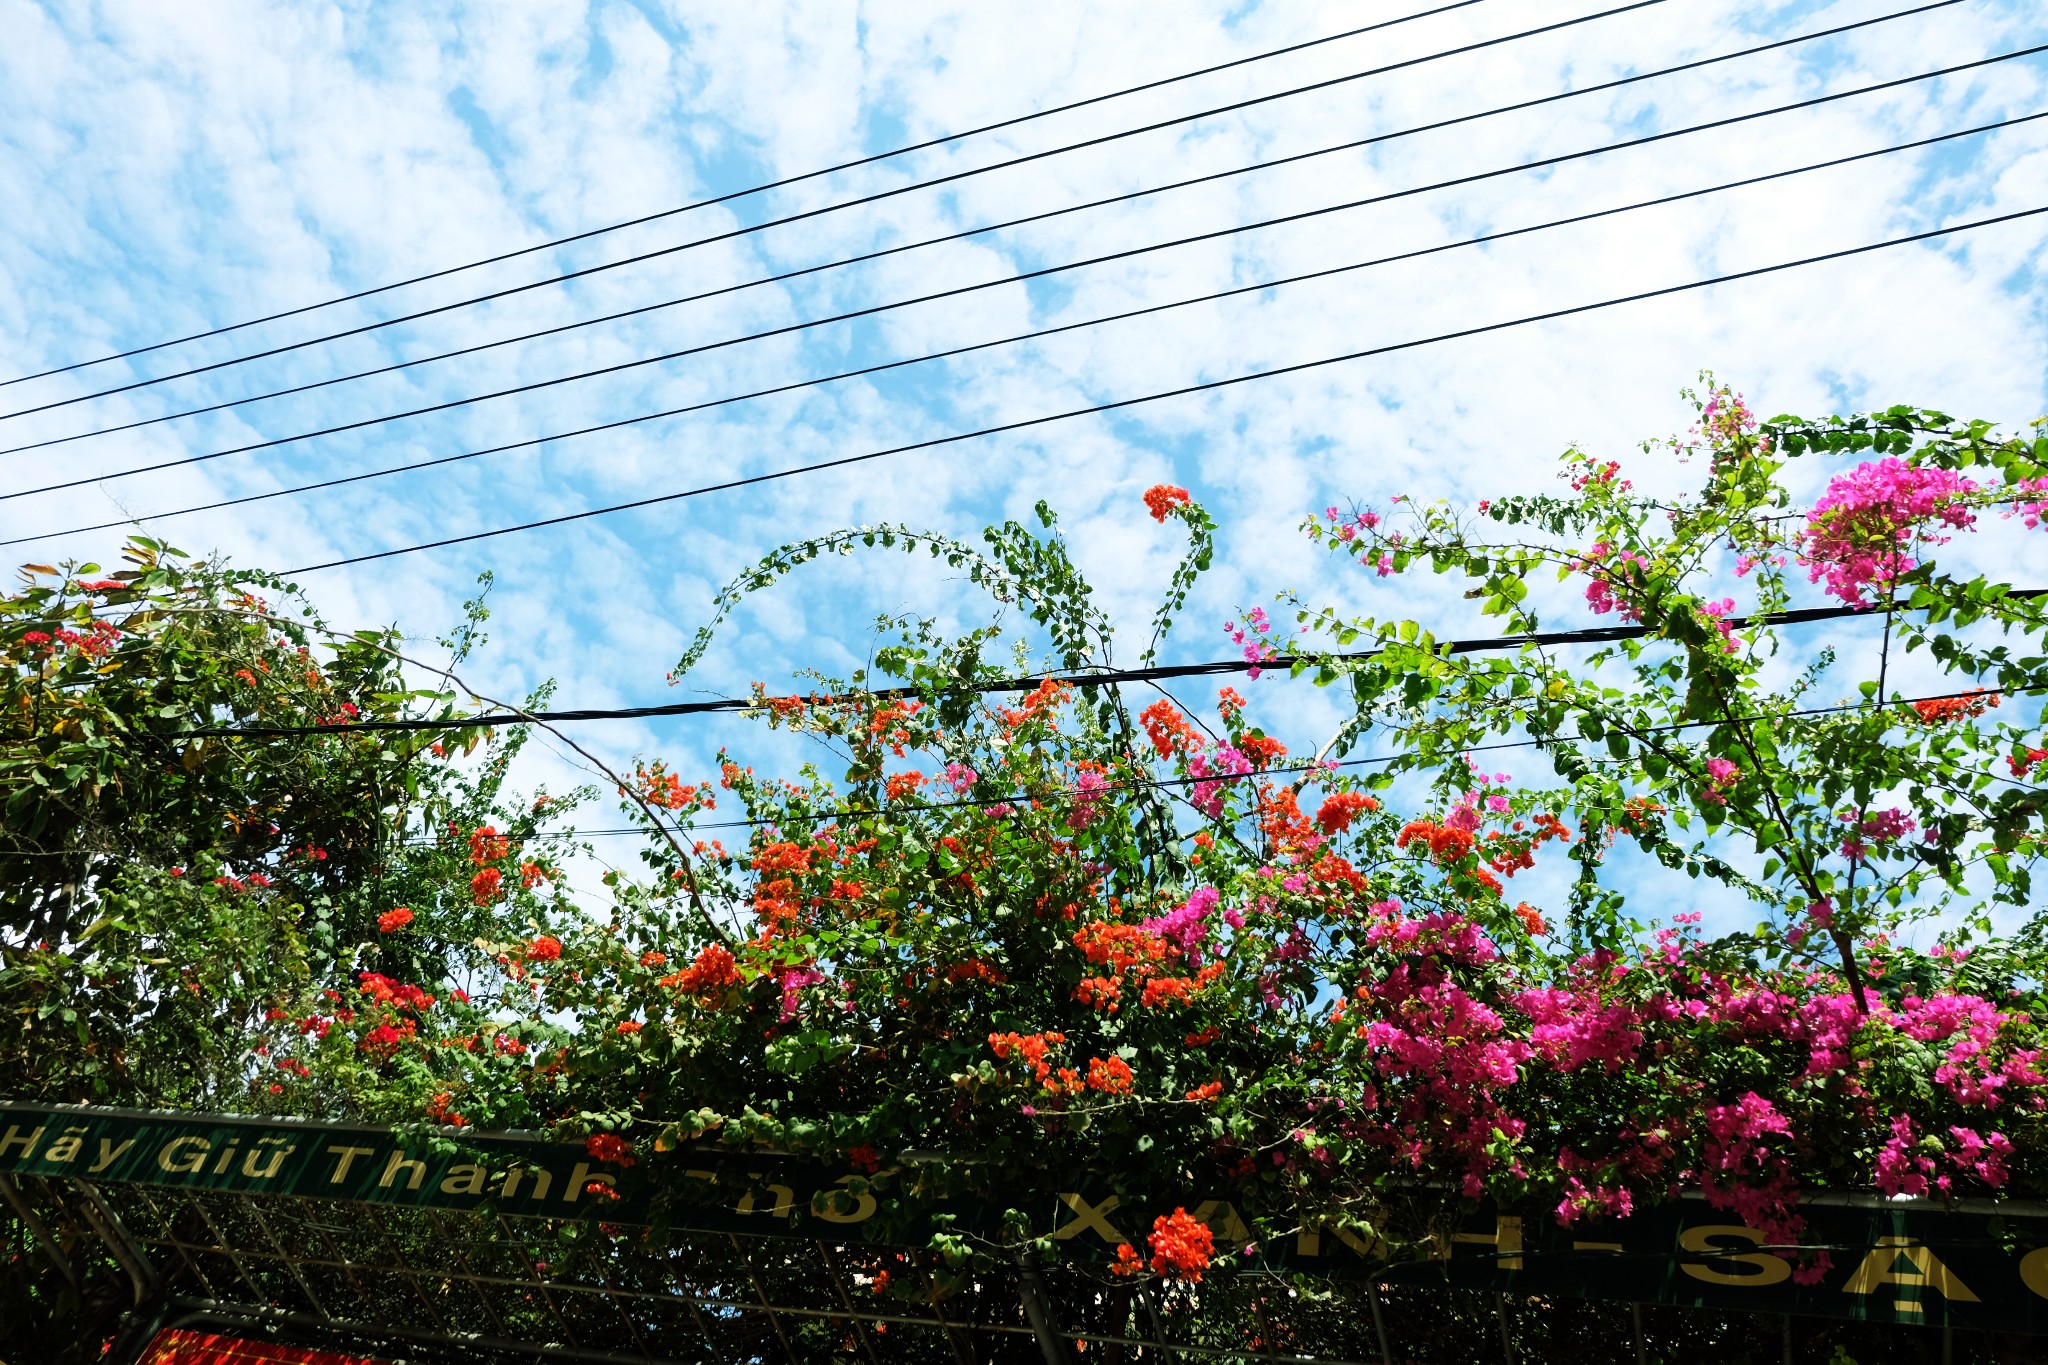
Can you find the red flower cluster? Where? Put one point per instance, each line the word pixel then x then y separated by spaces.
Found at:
pixel 887 725
pixel 1339 809
pixel 1037 704
pixel 1178 990
pixel 1168 729
pixel 385 991
pixel 391 921
pixel 666 790
pixel 1964 706
pixel 609 1147
pixel 1181 1246
pixel 546 948
pixel 1112 1076
pixel 1447 843
pixel 382 1042
pixel 1029 1048
pixel 1162 498
pixel 714 972
pixel 440 1111
pixel 486 845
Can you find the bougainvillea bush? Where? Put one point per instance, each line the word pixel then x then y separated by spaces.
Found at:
pixel 1087 929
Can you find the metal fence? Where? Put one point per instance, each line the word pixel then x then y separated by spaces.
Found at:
pixel 430 1286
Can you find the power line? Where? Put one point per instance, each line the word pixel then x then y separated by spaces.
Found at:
pixel 1116 405
pixel 845 812
pixel 966 289
pixel 1106 677
pixel 763 188
pixel 784 276
pixel 1282 281
pixel 834 208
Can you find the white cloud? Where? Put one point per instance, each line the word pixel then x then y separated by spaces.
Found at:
pixel 174 168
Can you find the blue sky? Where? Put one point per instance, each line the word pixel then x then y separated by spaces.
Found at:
pixel 173 168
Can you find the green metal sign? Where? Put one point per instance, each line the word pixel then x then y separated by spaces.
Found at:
pixel 1971 1264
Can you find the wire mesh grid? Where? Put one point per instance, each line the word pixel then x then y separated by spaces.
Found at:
pixel 431 1287
pixel 570 1290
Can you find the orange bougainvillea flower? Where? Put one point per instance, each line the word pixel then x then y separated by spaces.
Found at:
pixel 609 1147
pixel 392 920
pixel 1965 706
pixel 486 845
pixel 1168 729
pixel 1447 843
pixel 546 948
pixel 1112 1076
pixel 1181 1246
pixel 1030 1048
pixel 713 973
pixel 1162 498
pixel 1128 1261
pixel 1202 1094
pixel 1339 809
pixel 485 885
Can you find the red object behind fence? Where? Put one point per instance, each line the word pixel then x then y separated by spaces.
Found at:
pixel 176 1347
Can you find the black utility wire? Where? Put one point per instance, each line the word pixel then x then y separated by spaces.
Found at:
pixel 881 195
pixel 1148 783
pixel 966 289
pixel 1103 677
pixel 784 276
pixel 753 190
pixel 1117 405
pixel 1039 334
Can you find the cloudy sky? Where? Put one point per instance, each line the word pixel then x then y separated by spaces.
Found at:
pixel 173 169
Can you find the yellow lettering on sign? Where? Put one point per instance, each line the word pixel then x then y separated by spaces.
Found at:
pixel 416 1171
pixel 67 1147
pixel 2034 1271
pixel 1221 1219
pixel 16 1138
pixel 582 1178
pixel 825 1205
pixel 1700 1240
pixel 275 1163
pixel 1923 1270
pixel 348 1157
pixel 172 1159
pixel 464 1178
pixel 110 1153
pixel 1090 1218
pixel 785 1198
pixel 541 1181
pixel 1506 1242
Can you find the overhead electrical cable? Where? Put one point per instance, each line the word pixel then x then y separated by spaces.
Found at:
pixel 881 195
pixel 958 291
pixel 1256 287
pixel 864 257
pixel 1117 405
pixel 731 196
pixel 1277 770
pixel 1100 677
